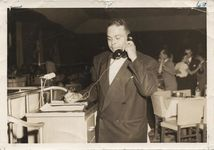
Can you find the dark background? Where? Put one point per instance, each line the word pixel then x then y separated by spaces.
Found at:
pixel 78 34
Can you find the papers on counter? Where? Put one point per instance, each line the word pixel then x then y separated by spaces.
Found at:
pixel 62 106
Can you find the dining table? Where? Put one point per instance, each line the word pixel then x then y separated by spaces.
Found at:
pixel 171 103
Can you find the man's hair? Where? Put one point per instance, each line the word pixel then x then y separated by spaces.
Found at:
pixel 119 22
pixel 189 49
pixel 167 52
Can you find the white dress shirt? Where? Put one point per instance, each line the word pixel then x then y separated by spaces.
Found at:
pixel 182 67
pixel 115 65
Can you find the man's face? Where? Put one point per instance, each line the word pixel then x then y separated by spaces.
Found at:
pixel 185 59
pixel 188 53
pixel 116 37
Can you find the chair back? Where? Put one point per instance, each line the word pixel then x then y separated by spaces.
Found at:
pixel 190 112
pixel 158 102
pixel 15 128
pixel 186 92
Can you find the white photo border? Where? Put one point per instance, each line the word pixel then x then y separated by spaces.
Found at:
pixel 4 4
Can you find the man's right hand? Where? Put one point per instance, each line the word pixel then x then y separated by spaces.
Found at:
pixel 72 97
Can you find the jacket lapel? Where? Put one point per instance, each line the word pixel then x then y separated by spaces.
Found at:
pixel 104 71
pixel 116 89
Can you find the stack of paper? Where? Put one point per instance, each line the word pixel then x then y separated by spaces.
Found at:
pixel 63 106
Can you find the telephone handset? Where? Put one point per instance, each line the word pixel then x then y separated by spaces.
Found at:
pixel 120 53
pixel 116 55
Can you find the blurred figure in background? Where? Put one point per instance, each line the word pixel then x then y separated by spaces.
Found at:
pixel 188 79
pixel 202 75
pixel 50 66
pixel 167 70
pixel 181 69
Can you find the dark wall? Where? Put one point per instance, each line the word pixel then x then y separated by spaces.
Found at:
pixel 150 43
pixel 74 49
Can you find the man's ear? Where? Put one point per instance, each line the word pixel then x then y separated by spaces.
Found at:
pixel 129 37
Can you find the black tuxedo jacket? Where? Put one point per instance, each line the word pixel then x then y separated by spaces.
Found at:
pixel 122 106
pixel 193 64
pixel 191 80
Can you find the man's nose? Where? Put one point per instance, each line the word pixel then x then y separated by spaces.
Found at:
pixel 113 41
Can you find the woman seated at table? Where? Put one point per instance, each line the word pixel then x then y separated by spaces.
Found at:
pixel 167 70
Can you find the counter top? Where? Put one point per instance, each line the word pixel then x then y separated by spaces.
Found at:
pixel 32 90
pixel 84 113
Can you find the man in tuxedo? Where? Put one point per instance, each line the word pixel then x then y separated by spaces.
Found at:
pixel 121 85
pixel 122 89
pixel 194 66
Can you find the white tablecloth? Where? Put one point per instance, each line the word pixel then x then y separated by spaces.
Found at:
pixel 171 104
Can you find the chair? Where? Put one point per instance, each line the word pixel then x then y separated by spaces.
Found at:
pixel 203 125
pixel 189 114
pixel 16 128
pixel 54 93
pixel 159 107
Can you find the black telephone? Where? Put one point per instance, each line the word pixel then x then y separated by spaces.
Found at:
pixel 120 53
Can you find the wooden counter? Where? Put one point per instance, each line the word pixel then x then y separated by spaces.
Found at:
pixel 66 127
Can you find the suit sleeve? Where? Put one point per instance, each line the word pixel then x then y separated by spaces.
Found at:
pixel 194 64
pixel 170 68
pixel 145 77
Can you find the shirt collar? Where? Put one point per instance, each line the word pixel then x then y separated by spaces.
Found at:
pixel 166 60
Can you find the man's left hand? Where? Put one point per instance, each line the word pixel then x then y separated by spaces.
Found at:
pixel 72 97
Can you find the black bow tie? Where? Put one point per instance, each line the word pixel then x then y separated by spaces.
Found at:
pixel 119 54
